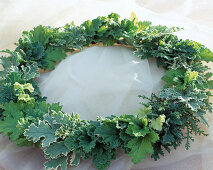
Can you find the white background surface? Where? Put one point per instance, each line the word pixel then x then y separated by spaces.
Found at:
pixel 196 16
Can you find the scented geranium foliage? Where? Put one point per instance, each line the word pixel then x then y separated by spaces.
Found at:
pixel 162 123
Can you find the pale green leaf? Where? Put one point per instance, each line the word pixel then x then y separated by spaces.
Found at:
pixel 206 55
pixel 158 123
pixel 142 113
pixel 137 130
pixel 141 146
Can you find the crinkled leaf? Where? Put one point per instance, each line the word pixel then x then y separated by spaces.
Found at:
pixel 87 142
pixel 30 71
pixel 71 142
pixel 8 125
pixel 102 157
pixel 56 149
pixel 142 113
pixel 40 34
pixel 42 131
pixel 55 107
pixel 61 162
pixel 12 108
pixel 158 123
pixel 142 146
pixel 109 133
pixel 173 77
pixel 75 160
pixel 54 55
pixel 138 130
pixel 206 55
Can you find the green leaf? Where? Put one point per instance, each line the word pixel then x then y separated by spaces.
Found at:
pixel 71 142
pixel 115 17
pixel 35 111
pixel 40 34
pixel 87 142
pixel 8 125
pixel 168 138
pixel 102 156
pixel 10 62
pixel 173 78
pixel 20 89
pixel 96 23
pixel 109 133
pixel 194 105
pixel 158 123
pixel 206 55
pixel 191 75
pixel 42 106
pixel 142 113
pixel 75 160
pixel 12 108
pixel 142 146
pixel 142 26
pixel 200 113
pixel 56 149
pixel 23 142
pixel 210 84
pixel 14 77
pixel 133 18
pixel 34 51
pixel 24 97
pixel 5 62
pixel 138 129
pixel 208 75
pixel 56 163
pixel 43 130
pixel 55 107
pixel 54 55
pixel 30 72
pixel 88 26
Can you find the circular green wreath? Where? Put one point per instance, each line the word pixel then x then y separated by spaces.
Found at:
pixel 163 123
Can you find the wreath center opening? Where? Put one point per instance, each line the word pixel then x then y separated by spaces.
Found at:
pixel 101 81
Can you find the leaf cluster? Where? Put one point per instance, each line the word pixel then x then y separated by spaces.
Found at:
pixel 64 137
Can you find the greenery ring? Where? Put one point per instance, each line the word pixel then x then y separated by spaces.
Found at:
pixel 162 124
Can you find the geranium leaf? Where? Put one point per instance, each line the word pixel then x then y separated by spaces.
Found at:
pixel 30 72
pixel 56 163
pixel 43 130
pixel 54 55
pixel 158 123
pixel 206 55
pixel 8 125
pixel 142 146
pixel 56 149
pixel 109 133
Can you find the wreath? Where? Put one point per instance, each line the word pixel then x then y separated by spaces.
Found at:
pixel 162 123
